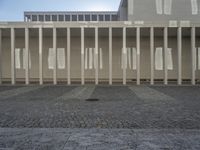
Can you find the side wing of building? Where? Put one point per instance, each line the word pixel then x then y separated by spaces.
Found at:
pixel 160 10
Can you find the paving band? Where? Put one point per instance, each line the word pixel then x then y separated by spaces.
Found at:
pixel 144 92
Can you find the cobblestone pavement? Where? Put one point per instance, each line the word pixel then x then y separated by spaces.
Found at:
pixel 125 117
pixel 98 139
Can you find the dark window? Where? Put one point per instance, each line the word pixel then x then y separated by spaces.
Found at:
pixel 47 18
pixel 114 18
pixel 87 17
pixel 74 17
pixel 61 18
pixel 54 17
pixel 67 17
pixel 94 17
pixel 34 18
pixel 107 18
pixel 41 18
pixel 101 18
pixel 80 17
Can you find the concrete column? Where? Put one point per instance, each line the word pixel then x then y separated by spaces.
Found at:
pixel 110 56
pixel 27 56
pixel 96 57
pixel 152 54
pixel 165 55
pixel 124 55
pixel 40 56
pixel 13 56
pixel 0 56
pixel 138 55
pixel 82 56
pixel 193 50
pixel 68 57
pixel 55 56
pixel 179 55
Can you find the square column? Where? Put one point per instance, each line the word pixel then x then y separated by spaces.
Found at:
pixel 138 54
pixel 96 57
pixel 179 33
pixel 13 56
pixel 165 55
pixel 193 50
pixel 82 56
pixel 110 56
pixel 55 56
pixel 124 56
pixel 40 56
pixel 1 56
pixel 27 55
pixel 68 57
pixel 152 54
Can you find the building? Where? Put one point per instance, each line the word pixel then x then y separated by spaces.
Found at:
pixel 144 41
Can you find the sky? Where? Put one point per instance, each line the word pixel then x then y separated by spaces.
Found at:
pixel 13 10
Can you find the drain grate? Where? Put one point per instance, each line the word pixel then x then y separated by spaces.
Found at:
pixel 92 100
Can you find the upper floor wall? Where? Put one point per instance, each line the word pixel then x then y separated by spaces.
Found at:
pixel 162 10
pixel 69 16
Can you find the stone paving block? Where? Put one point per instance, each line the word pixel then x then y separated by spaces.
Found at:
pixel 17 91
pixel 147 93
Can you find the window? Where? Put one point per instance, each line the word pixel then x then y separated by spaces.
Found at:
pixel 47 18
pixel 134 58
pixel 159 58
pixel 41 18
pixel 61 58
pixel 24 59
pixel 90 58
pixel 51 58
pixel 107 17
pixel 130 59
pixel 74 17
pixel 163 7
pixel 114 17
pixel 169 59
pixel 87 17
pixel 101 18
pixel 80 18
pixel 17 58
pixel 194 7
pixel 159 7
pixel 54 18
pixel 167 7
pixel 67 17
pixel 94 17
pixel 34 18
pixel 61 18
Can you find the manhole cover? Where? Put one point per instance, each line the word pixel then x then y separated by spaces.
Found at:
pixel 92 99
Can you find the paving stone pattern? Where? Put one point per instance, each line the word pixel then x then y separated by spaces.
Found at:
pixel 118 107
pixel 125 117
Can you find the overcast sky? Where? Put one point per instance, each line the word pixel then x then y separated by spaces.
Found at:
pixel 12 10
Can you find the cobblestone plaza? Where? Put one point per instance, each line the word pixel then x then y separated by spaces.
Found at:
pixel 125 117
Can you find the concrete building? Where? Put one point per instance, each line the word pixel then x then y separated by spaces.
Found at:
pixel 144 41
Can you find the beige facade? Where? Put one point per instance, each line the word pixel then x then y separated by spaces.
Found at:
pixel 124 47
pixel 75 70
